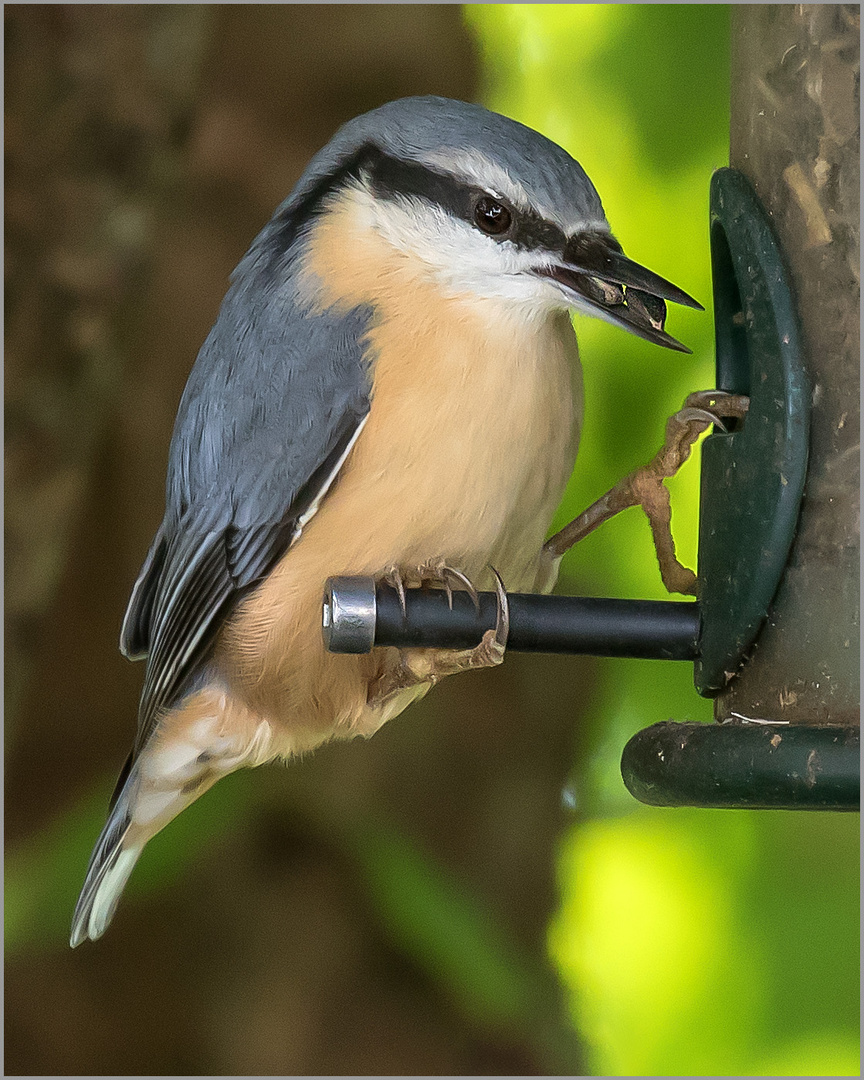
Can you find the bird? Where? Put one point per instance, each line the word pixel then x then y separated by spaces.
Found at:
pixel 392 387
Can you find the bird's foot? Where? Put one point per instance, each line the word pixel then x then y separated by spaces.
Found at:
pixel 429 666
pixel 490 651
pixel 644 487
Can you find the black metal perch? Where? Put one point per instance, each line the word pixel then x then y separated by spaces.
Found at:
pixel 358 615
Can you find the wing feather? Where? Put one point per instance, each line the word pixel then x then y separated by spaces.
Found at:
pixel 272 408
pixel 135 630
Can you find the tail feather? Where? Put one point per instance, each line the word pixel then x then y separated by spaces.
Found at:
pixel 107 873
pixel 156 788
pixel 172 770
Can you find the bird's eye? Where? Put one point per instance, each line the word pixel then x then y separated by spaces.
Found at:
pixel 491 216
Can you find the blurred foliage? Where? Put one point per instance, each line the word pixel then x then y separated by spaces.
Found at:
pixel 424 910
pixel 693 942
pixel 436 921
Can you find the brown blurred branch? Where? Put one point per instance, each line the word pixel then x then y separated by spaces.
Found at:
pixel 98 99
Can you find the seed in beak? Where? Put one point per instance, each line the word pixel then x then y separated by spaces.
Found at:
pixel 646 309
pixel 610 294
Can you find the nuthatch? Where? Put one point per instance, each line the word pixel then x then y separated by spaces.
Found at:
pixel 392 388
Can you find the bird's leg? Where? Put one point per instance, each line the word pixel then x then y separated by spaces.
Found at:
pixel 644 486
pixel 418 666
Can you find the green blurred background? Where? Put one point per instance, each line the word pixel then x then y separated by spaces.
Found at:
pixel 473 890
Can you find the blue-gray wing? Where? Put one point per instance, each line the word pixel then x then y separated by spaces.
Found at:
pixel 272 407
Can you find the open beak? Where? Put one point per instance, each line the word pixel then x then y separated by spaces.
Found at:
pixel 615 288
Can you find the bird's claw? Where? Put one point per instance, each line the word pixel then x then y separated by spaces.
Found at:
pixel 689 416
pixel 719 403
pixel 502 621
pixel 493 644
pixel 699 412
pixel 435 572
pixel 393 577
pixel 440 573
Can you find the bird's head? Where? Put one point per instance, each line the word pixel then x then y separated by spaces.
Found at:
pixel 491 207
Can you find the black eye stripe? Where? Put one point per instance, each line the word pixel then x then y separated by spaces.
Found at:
pixel 391 178
pixel 534 233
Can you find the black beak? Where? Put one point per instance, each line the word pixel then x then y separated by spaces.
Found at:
pixel 617 289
